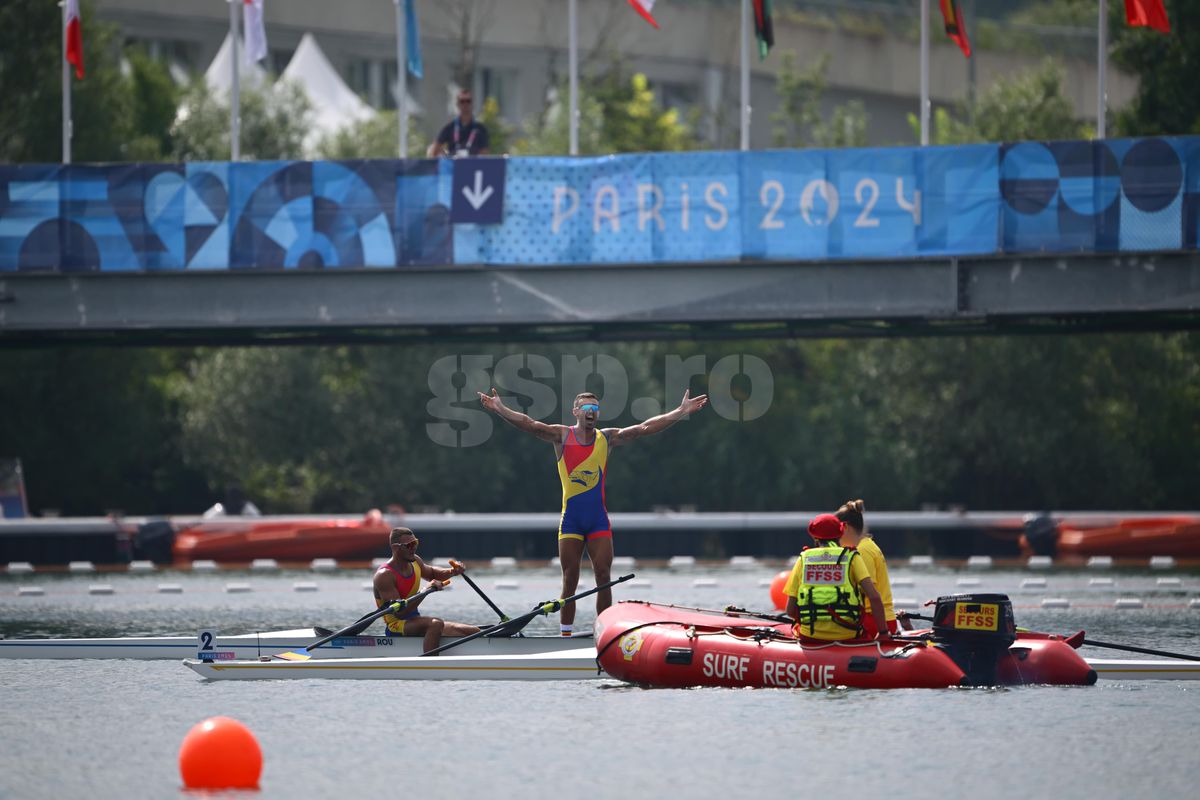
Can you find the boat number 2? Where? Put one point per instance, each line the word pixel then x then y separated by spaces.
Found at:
pixel 205 640
pixel 866 195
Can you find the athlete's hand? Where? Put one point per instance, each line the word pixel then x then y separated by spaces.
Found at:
pixel 437 586
pixel 456 567
pixel 689 404
pixel 491 402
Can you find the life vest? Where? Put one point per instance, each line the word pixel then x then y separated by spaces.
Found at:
pixel 826 591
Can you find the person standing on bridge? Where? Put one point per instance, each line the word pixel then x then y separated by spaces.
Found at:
pixel 462 136
pixel 400 578
pixel 856 536
pixel 582 454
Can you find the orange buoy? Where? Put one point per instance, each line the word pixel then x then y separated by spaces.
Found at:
pixel 777 595
pixel 220 753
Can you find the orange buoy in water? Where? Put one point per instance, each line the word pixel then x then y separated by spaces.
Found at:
pixel 220 753
pixel 777 595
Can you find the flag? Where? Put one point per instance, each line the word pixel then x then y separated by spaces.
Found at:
pixel 956 26
pixel 644 7
pixel 256 34
pixel 74 38
pixel 413 39
pixel 764 29
pixel 1147 13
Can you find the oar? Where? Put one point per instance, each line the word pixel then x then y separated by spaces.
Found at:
pixel 393 607
pixel 1145 650
pixel 503 617
pixel 517 623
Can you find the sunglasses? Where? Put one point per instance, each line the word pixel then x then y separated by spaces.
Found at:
pixel 465 102
pixel 586 407
pixel 410 544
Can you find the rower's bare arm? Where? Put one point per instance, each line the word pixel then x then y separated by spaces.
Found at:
pixel 523 422
pixel 689 405
pixel 793 609
pixel 385 587
pixel 431 572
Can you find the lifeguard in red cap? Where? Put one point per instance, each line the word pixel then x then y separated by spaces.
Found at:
pixel 826 588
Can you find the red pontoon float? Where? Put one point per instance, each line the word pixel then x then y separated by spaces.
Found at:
pixel 973 642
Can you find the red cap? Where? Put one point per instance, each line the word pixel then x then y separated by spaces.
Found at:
pixel 826 526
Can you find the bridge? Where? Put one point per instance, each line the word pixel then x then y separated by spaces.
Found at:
pixel 879 241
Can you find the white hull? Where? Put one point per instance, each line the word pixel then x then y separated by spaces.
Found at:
pixel 564 665
pixel 1144 670
pixel 255 645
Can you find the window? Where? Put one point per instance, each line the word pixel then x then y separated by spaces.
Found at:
pixel 503 86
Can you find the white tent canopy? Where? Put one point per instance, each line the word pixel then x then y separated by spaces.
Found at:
pixel 219 79
pixel 334 104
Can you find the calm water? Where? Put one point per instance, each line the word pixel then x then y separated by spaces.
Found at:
pixel 112 729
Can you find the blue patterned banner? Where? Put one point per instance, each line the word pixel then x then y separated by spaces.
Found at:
pixel 795 205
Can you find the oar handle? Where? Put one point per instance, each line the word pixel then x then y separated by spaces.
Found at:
pixel 1130 648
pixel 519 622
pixel 391 608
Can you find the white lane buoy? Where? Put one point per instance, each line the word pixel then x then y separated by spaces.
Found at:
pixel 920 561
pixel 170 588
pixel 1129 602
pixel 1100 562
pixel 1039 562
pixel 1162 562
pixel 624 563
pixel 323 564
pixel 204 565
pixel 19 568
pixel 512 585
pixel 504 562
pixel 979 562
pixel 743 562
pixel 905 603
pixel 238 588
pixel 1101 582
pixel 640 583
pixel 376 563
pixel 968 582
pixel 1194 602
pixel 81 567
pixel 30 591
pixel 681 562
pixel 902 582
pixel 1169 583
pixel 100 588
pixel 1055 602
pixel 142 566
pixel 264 565
pixel 704 583
pixel 1033 583
pixel 304 586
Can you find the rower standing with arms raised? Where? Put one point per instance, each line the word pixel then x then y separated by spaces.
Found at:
pixel 582 454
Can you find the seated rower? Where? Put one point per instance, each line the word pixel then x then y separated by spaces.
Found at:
pixel 826 588
pixel 401 578
pixel 857 536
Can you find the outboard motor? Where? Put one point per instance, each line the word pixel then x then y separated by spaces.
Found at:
pixel 154 541
pixel 975 630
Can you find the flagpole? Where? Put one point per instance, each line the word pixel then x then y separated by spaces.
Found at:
pixel 234 87
pixel 745 70
pixel 924 72
pixel 402 76
pixel 66 92
pixel 1101 69
pixel 573 73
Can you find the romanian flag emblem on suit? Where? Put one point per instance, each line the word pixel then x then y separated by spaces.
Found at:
pixel 956 26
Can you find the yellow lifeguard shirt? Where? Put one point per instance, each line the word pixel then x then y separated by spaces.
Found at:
pixel 879 576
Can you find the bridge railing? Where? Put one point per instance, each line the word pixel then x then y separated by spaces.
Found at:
pixel 904 203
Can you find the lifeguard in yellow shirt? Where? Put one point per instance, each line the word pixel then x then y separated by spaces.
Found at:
pixel 856 536
pixel 582 454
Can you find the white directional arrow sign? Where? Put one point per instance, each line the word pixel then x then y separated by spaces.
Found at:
pixel 478 195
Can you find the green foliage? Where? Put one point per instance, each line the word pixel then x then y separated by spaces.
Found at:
pixel 799 121
pixel 155 99
pixel 112 121
pixel 376 137
pixel 274 124
pixel 1168 72
pixel 1028 107
pixel 616 115
pixel 500 133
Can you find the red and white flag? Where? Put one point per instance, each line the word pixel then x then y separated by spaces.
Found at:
pixel 1147 13
pixel 256 34
pixel 644 8
pixel 74 38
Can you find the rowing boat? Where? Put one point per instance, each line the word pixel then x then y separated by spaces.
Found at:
pixel 210 646
pixel 576 664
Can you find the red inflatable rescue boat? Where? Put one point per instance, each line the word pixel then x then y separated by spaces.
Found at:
pixel 973 643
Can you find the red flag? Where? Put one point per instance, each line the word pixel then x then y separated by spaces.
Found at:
pixel 1147 13
pixel 643 7
pixel 74 38
pixel 956 26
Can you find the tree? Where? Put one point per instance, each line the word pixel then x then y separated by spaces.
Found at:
pixel 799 120
pixel 155 101
pixel 1166 103
pixel 376 137
pixel 1027 107
pixel 105 108
pixel 274 124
